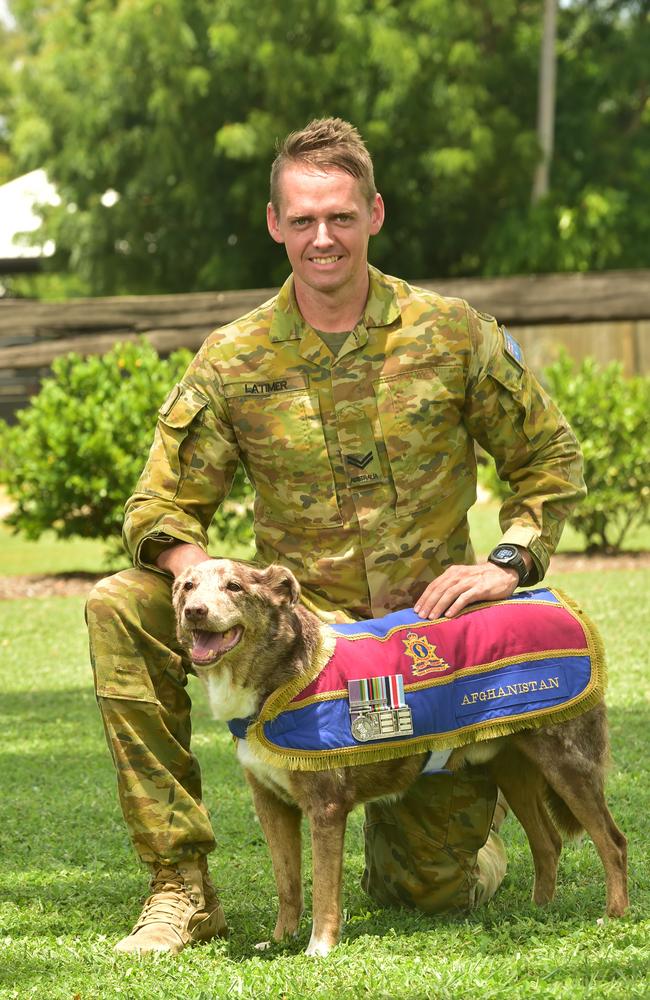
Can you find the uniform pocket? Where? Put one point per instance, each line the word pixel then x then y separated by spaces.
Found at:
pixel 283 448
pixel 420 413
pixel 126 678
pixel 520 403
pixel 180 419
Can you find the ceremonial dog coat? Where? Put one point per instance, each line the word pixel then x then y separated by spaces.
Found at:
pixel 400 685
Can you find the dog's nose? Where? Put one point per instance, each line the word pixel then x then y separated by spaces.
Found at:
pixel 194 612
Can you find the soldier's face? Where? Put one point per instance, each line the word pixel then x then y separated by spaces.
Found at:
pixel 325 223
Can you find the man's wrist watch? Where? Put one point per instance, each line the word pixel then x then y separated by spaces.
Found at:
pixel 511 557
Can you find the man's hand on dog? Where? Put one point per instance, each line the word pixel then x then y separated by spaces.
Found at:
pixel 459 586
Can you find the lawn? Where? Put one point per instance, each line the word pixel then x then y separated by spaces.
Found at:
pixel 72 555
pixel 52 555
pixel 69 884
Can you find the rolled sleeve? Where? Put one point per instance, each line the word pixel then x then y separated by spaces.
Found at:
pixel 188 474
pixel 535 451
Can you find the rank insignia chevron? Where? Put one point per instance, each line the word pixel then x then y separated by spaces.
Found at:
pixel 359 461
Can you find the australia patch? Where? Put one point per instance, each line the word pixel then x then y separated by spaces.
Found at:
pixel 513 348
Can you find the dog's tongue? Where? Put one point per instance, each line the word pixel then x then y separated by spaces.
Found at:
pixel 209 645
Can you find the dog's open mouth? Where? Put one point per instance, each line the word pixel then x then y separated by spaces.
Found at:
pixel 209 646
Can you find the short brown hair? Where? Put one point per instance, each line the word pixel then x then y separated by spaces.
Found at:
pixel 327 143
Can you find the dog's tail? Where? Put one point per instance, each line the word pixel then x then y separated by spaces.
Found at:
pixel 565 821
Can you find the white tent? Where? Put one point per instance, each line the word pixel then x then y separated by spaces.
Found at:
pixel 19 200
pixel 6 17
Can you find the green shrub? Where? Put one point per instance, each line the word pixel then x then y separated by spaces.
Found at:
pixel 77 450
pixel 610 415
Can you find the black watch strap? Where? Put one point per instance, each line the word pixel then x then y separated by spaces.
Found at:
pixel 510 556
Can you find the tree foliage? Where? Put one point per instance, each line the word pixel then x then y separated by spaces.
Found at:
pixel 176 106
pixel 610 415
pixel 596 216
pixel 8 45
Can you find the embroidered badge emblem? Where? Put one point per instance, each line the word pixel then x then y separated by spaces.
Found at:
pixel 423 653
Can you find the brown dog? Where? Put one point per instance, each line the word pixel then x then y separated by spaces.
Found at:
pixel 247 635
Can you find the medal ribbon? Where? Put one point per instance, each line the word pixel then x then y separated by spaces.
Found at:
pixel 376 692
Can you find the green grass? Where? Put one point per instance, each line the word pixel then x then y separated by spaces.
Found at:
pixel 52 555
pixel 69 884
pixel 73 555
pixel 484 526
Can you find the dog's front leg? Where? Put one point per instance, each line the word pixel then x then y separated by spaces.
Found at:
pixel 327 822
pixel 281 825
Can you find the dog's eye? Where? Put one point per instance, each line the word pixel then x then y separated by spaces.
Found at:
pixel 231 585
pixel 188 585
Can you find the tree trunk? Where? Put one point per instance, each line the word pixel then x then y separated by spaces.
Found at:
pixel 546 101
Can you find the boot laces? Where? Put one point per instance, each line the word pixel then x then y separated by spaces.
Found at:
pixel 168 901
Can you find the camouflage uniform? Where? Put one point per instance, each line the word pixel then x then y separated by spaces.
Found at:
pixel 364 469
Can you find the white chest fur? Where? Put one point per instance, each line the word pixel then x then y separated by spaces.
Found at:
pixel 275 778
pixel 228 700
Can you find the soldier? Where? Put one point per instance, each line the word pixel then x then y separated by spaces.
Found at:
pixel 354 401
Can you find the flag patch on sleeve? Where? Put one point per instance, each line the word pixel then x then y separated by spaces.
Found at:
pixel 513 348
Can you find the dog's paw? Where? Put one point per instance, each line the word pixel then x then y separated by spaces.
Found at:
pixel 263 945
pixel 318 947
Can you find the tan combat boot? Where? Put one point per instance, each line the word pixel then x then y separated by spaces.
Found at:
pixel 183 908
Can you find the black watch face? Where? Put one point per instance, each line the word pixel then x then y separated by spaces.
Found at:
pixel 505 552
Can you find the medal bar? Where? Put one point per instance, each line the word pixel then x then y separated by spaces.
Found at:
pixel 378 710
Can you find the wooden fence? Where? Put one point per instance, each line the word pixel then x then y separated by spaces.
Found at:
pixel 606 315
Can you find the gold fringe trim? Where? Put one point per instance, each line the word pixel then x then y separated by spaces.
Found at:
pixel 324 760
pixel 279 700
pixel 594 639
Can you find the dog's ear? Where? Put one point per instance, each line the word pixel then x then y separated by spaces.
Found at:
pixel 283 583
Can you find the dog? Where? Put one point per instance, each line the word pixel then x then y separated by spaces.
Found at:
pixel 247 635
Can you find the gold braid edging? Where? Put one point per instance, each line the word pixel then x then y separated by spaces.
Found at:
pixel 323 760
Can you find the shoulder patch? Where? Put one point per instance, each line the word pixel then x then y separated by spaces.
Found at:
pixel 513 349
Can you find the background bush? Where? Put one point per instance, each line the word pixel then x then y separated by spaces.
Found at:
pixel 77 450
pixel 610 415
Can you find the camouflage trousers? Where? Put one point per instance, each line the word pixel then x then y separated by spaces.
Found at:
pixel 434 849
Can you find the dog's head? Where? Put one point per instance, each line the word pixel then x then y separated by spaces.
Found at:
pixel 228 611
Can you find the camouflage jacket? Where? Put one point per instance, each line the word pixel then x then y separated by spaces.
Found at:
pixel 363 463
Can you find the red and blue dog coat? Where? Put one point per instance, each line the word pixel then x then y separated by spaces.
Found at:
pixel 399 685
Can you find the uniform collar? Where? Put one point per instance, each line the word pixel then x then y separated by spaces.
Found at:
pixel 382 309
